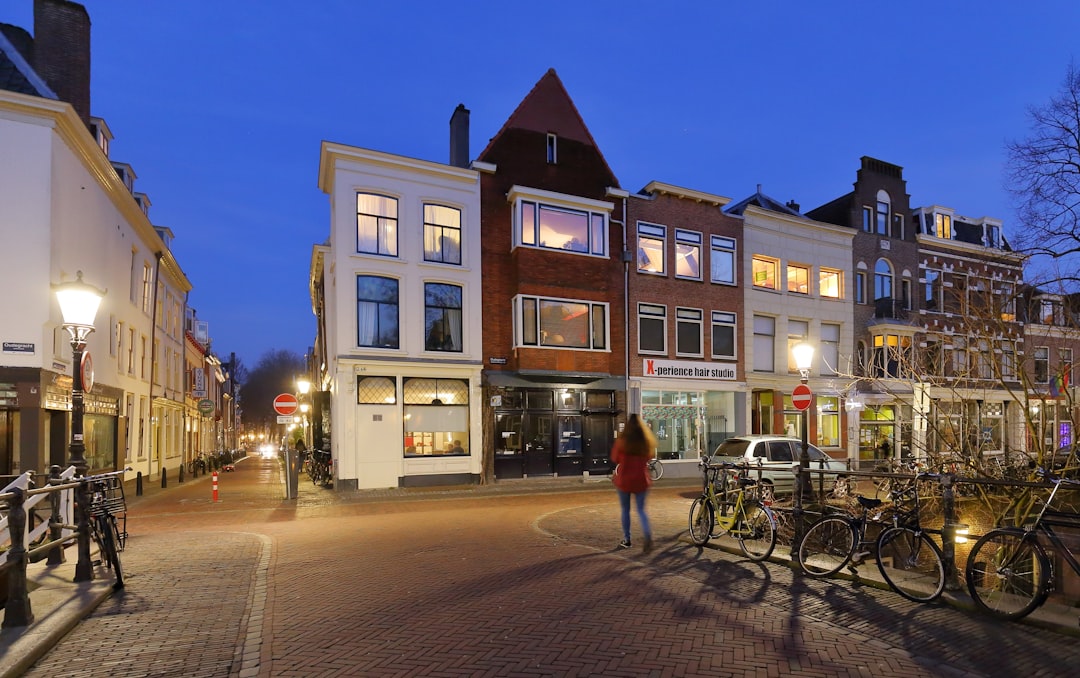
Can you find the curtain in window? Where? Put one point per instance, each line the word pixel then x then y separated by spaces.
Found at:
pixel 366 322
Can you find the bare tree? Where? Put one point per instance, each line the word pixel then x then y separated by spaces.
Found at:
pixel 1043 175
pixel 274 374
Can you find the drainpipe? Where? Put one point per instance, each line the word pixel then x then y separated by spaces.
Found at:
pixel 625 255
pixel 153 354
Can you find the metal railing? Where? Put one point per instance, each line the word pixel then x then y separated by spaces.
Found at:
pixel 19 501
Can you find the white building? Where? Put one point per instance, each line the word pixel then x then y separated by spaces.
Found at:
pixel 396 289
pixel 798 290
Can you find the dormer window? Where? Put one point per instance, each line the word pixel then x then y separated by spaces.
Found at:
pixel 943 226
pixel 992 235
pixel 552 149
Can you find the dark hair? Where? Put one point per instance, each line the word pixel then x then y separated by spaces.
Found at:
pixel 637 438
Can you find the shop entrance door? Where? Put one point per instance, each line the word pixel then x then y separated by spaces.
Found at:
pixel 599 432
pixel 539 449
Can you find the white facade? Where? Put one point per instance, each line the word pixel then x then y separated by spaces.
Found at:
pixel 793 242
pixel 379 426
pixel 63 209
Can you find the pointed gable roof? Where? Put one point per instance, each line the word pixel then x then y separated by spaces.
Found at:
pixel 548 109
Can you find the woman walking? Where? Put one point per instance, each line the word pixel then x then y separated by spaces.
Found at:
pixel 631 453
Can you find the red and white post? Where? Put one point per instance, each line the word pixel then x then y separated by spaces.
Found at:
pixel 215 485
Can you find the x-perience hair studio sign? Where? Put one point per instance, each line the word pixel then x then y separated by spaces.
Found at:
pixel 685 369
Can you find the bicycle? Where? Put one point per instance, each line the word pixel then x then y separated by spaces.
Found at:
pixel 107 515
pixel 1009 573
pixel 720 509
pixel 319 468
pixel 656 469
pixel 907 558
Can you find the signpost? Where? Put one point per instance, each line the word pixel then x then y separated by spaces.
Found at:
pixel 801 397
pixel 285 404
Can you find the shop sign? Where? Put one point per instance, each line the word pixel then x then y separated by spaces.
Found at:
pixel 688 369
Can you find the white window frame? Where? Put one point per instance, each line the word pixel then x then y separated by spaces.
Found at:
pixel 724 319
pixel 690 317
pixel 651 232
pixel 652 312
pixel 764 335
pixel 724 247
pixel 598 216
pixel 692 240
pixel 520 321
pixel 830 348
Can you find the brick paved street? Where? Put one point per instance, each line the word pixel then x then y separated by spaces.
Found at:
pixel 493 582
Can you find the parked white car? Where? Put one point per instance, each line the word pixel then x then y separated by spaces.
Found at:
pixel 774 457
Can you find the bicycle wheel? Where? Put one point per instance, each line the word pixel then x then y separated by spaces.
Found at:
pixel 826 547
pixel 109 554
pixel 701 521
pixel 1007 573
pixel 756 532
pixel 118 536
pixel 911 563
pixel 656 469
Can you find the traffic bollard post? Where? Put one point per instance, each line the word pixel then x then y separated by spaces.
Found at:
pixel 215 479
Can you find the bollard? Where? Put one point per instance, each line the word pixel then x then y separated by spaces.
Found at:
pixel 17 612
pixel 215 485
pixel 56 529
pixel 948 532
pixel 181 473
pixel 164 481
pixel 138 484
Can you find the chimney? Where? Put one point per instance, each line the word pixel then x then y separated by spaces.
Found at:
pixel 62 51
pixel 459 137
pixel 793 206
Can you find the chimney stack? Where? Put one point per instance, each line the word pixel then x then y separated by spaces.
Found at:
pixel 793 206
pixel 62 51
pixel 459 137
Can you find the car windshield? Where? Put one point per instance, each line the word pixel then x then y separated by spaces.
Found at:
pixel 732 447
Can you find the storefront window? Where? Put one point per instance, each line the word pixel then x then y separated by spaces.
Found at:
pixel 828 421
pixel 99 435
pixel 436 417
pixel 688 424
pixel 877 433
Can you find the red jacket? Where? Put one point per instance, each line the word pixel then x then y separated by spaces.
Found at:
pixel 632 473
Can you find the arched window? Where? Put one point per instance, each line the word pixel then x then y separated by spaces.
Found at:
pixel 883 280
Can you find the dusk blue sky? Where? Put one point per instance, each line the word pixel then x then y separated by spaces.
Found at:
pixel 220 108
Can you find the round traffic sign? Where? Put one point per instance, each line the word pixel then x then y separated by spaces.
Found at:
pixel 285 403
pixel 801 397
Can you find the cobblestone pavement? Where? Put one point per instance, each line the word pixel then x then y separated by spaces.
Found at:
pixel 494 582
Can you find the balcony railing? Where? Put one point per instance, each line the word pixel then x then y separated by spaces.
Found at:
pixel 891 308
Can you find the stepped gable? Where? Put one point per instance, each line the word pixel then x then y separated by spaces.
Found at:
pixel 548 109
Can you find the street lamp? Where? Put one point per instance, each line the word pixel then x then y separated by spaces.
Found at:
pixel 79 305
pixel 803 354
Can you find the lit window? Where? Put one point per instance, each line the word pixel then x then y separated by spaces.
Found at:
pixel 723 260
pixel 560 323
pixel 376 224
pixel 442 234
pixel 650 254
pixel 562 228
pixel 765 272
pixel 723 335
pixel 652 329
pixel 829 283
pixel 943 226
pixel 688 328
pixel 798 279
pixel 687 254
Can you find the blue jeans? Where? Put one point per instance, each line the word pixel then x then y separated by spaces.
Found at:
pixel 624 503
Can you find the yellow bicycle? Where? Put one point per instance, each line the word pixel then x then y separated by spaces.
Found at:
pixel 723 509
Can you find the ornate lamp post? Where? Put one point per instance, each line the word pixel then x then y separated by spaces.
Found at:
pixel 803 353
pixel 79 305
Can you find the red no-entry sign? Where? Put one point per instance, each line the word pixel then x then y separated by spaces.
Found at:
pixel 285 403
pixel 801 397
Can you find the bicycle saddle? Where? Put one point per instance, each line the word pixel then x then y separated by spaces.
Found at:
pixel 869 503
